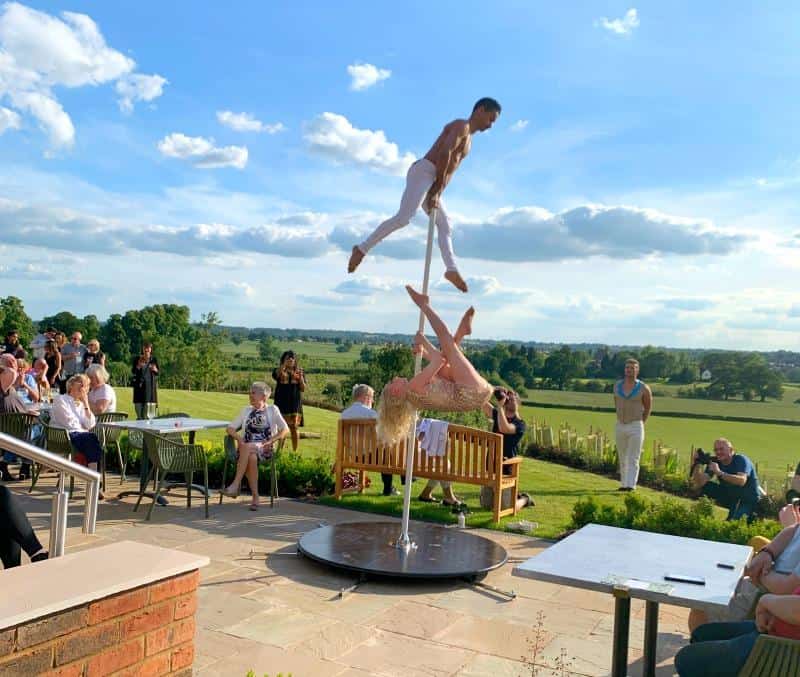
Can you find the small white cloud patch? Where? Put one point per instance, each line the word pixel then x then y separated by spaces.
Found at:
pixel 365 75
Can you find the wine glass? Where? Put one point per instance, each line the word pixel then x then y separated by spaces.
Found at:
pixel 150 411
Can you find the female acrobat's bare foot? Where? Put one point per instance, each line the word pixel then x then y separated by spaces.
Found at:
pixel 456 280
pixel 416 297
pixel 465 326
pixel 356 257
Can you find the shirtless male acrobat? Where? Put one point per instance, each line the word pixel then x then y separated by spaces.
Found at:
pixel 426 180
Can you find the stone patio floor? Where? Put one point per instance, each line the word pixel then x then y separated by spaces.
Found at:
pixel 263 607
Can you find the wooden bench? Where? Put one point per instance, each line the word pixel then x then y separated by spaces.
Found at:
pixel 475 457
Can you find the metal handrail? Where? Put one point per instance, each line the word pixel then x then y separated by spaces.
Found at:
pixel 58 517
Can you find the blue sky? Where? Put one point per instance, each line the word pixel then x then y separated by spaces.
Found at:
pixel 639 186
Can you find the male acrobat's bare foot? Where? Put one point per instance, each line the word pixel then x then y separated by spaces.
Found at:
pixel 356 258
pixel 465 326
pixel 456 280
pixel 416 297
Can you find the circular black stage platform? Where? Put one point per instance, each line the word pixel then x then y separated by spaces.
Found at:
pixel 368 548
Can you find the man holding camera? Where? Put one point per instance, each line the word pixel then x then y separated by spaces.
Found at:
pixel 506 421
pixel 736 487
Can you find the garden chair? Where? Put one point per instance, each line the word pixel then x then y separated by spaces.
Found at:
pixel 232 455
pixel 772 656
pixel 109 437
pixel 56 441
pixel 23 427
pixel 136 441
pixel 170 456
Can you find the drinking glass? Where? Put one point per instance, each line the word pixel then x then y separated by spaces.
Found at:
pixel 150 411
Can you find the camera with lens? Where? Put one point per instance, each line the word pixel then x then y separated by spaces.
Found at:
pixel 500 393
pixel 702 458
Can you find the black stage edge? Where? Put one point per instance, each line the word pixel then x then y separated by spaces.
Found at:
pixel 368 549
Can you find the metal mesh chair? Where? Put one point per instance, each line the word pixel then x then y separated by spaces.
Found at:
pixel 109 437
pixel 56 441
pixel 25 427
pixel 168 456
pixel 136 440
pixel 772 656
pixel 232 455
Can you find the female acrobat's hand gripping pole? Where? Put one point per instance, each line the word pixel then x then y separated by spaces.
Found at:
pixel 404 541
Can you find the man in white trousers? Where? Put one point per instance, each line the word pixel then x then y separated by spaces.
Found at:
pixel 426 180
pixel 633 401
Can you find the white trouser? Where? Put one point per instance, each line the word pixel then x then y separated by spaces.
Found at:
pixel 419 179
pixel 630 439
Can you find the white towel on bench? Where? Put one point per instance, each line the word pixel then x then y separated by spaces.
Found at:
pixel 432 434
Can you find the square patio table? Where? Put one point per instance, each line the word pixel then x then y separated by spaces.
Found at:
pixel 632 564
pixel 164 426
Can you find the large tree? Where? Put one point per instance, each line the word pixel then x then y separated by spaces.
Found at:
pixel 13 316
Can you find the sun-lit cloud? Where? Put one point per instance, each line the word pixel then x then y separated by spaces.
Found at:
pixel 40 53
pixel 365 75
pixel 201 152
pixel 623 26
pixel 519 125
pixel 9 120
pixel 246 122
pixel 334 136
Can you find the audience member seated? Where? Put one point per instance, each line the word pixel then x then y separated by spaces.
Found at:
pixel 775 568
pixel 102 398
pixel 16 533
pixel 93 355
pixel 794 489
pixel 10 403
pixel 26 385
pixel 261 426
pixel 721 649
pixel 71 411
pixel 737 484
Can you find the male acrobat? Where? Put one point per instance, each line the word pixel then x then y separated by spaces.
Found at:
pixel 426 180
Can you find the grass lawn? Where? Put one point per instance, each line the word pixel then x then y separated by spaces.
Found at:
pixel 772 447
pixel 784 409
pixel 556 488
pixel 315 351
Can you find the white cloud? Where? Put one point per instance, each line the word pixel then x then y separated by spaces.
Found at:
pixel 9 120
pixel 688 304
pixel 365 75
pixel 245 122
pixel 136 87
pixel 40 52
pixel 365 286
pixel 623 26
pixel 519 125
pixel 201 152
pixel 334 136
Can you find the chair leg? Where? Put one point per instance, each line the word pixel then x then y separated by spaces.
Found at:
pixel 205 484
pixel 188 477
pixel 122 463
pixel 273 484
pixel 142 489
pixel 224 473
pixel 35 470
pixel 155 495
pixel 71 486
pixel 103 470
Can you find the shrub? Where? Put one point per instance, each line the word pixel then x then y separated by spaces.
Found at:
pixel 668 516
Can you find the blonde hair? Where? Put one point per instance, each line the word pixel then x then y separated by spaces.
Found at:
pixel 82 378
pixel 395 417
pixel 93 342
pixel 260 387
pixel 97 370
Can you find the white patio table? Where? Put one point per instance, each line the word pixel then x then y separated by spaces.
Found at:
pixel 633 564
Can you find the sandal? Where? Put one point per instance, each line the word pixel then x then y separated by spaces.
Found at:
pixel 230 493
pixel 253 507
pixel 427 499
pixel 450 504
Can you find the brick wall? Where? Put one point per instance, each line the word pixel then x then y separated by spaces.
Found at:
pixel 144 631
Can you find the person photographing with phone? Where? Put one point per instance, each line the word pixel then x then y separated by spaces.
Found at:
pixel 290 382
pixel 145 380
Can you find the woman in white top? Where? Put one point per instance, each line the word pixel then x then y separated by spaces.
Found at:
pixel 102 398
pixel 261 425
pixel 71 411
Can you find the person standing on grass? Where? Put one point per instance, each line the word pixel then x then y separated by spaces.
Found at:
pixel 290 382
pixel 633 401
pixel 145 380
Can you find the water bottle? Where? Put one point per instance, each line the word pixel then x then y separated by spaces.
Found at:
pixel 462 520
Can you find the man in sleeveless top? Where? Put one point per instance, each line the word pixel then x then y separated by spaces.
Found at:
pixel 633 401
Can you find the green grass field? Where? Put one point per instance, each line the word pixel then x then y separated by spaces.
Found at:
pixel 555 487
pixel 784 409
pixel 771 447
pixel 312 352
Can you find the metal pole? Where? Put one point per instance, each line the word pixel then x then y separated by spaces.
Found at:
pixel 622 622
pixel 58 518
pixel 404 541
pixel 650 638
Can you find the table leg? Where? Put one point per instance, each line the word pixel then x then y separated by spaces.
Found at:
pixel 622 622
pixel 650 638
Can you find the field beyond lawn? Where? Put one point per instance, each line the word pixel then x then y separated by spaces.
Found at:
pixel 555 488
